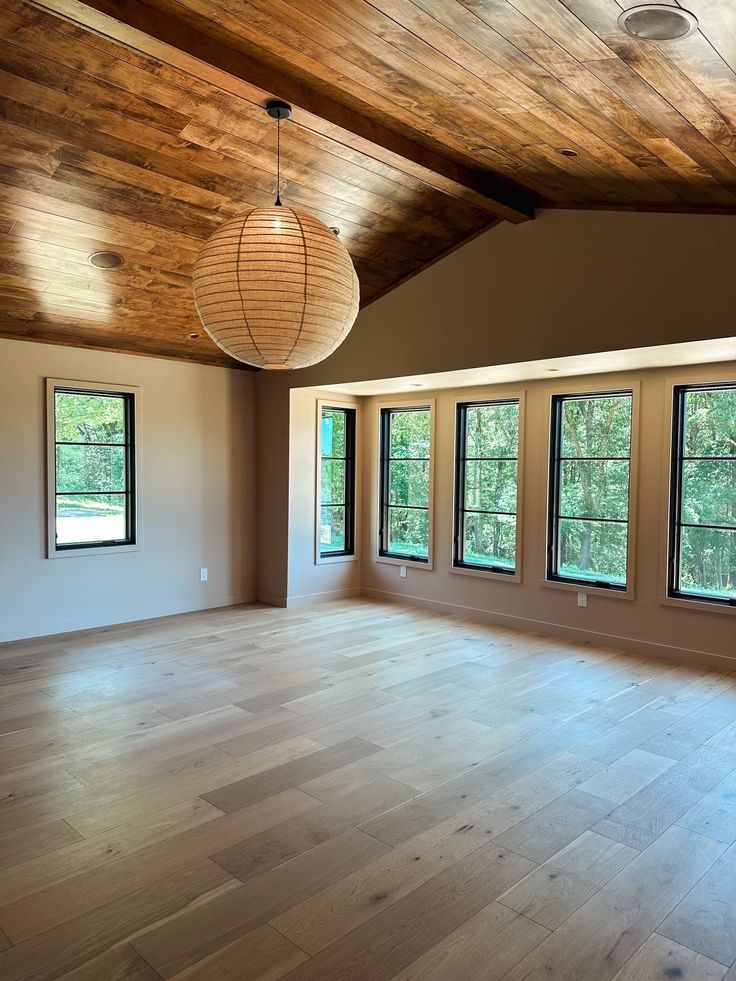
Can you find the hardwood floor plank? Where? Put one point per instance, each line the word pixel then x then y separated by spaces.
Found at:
pixel 640 819
pixel 196 933
pixel 378 811
pixel 557 824
pixel 252 789
pixel 271 848
pixel 266 953
pixel 554 890
pixel 598 939
pixel 659 958
pixel 76 941
pixel 395 938
pixel 120 963
pixel 705 920
pixel 627 775
pixel 483 948
pixel 24 845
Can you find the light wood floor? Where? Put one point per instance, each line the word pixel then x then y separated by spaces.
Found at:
pixel 361 791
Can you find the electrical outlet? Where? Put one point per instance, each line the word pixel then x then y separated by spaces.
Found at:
pixel 402 571
pixel 583 600
pixel 204 575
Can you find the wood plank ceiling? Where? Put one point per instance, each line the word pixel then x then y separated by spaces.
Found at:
pixel 418 123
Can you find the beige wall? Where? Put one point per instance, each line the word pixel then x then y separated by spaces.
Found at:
pixel 644 623
pixel 196 491
pixel 311 580
pixel 566 283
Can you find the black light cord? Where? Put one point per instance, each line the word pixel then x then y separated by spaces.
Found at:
pixel 277 202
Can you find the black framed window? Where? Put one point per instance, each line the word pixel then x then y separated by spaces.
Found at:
pixel 94 469
pixel 590 476
pixel 486 485
pixel 702 539
pixel 337 482
pixel 405 483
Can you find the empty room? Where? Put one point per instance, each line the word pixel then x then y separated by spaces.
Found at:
pixel 367 490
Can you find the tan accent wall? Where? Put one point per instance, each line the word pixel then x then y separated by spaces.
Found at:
pixel 644 623
pixel 196 493
pixel 566 283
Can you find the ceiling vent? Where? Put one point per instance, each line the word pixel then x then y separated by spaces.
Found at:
pixel 658 22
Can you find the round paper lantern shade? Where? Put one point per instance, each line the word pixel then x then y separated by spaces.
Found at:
pixel 276 288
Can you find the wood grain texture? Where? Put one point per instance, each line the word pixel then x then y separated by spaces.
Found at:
pixel 138 127
pixel 360 791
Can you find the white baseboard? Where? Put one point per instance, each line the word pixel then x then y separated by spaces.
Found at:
pixel 680 655
pixel 40 629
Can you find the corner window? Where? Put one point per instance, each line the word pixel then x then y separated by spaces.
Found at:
pixel 486 486
pixel 702 539
pixel 590 464
pixel 92 492
pixel 337 482
pixel 405 483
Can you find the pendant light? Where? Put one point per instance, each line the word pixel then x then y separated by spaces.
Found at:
pixel 275 287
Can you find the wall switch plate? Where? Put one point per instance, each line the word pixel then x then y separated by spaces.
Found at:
pixel 402 571
pixel 204 575
pixel 583 600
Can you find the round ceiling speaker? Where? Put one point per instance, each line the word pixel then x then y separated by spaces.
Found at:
pixel 658 22
pixel 105 260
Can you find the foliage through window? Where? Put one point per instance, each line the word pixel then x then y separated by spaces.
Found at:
pixel 93 478
pixel 486 481
pixel 702 556
pixel 590 463
pixel 337 482
pixel 405 483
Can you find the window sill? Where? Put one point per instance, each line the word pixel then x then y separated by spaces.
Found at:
pixel 696 605
pixel 409 563
pixel 334 559
pixel 73 553
pixel 599 591
pixel 486 574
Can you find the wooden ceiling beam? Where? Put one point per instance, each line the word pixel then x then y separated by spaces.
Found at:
pixel 147 28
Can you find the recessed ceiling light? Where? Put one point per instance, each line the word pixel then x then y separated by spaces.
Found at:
pixel 551 369
pixel 417 384
pixel 105 260
pixel 194 336
pixel 567 151
pixel 334 229
pixel 658 22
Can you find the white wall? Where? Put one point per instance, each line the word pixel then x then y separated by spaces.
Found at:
pixel 196 493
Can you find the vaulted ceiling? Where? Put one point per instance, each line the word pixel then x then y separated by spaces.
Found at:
pixel 138 127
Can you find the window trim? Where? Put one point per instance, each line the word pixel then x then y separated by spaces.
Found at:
pixel 96 388
pixel 580 586
pixel 673 386
pixel 352 556
pixel 393 559
pixel 478 571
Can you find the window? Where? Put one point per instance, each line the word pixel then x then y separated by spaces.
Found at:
pixel 91 468
pixel 405 483
pixel 702 540
pixel 486 486
pixel 590 464
pixel 337 482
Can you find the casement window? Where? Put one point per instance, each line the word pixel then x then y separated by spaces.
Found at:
pixel 487 486
pixel 91 468
pixel 405 483
pixel 589 489
pixel 702 511
pixel 336 517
